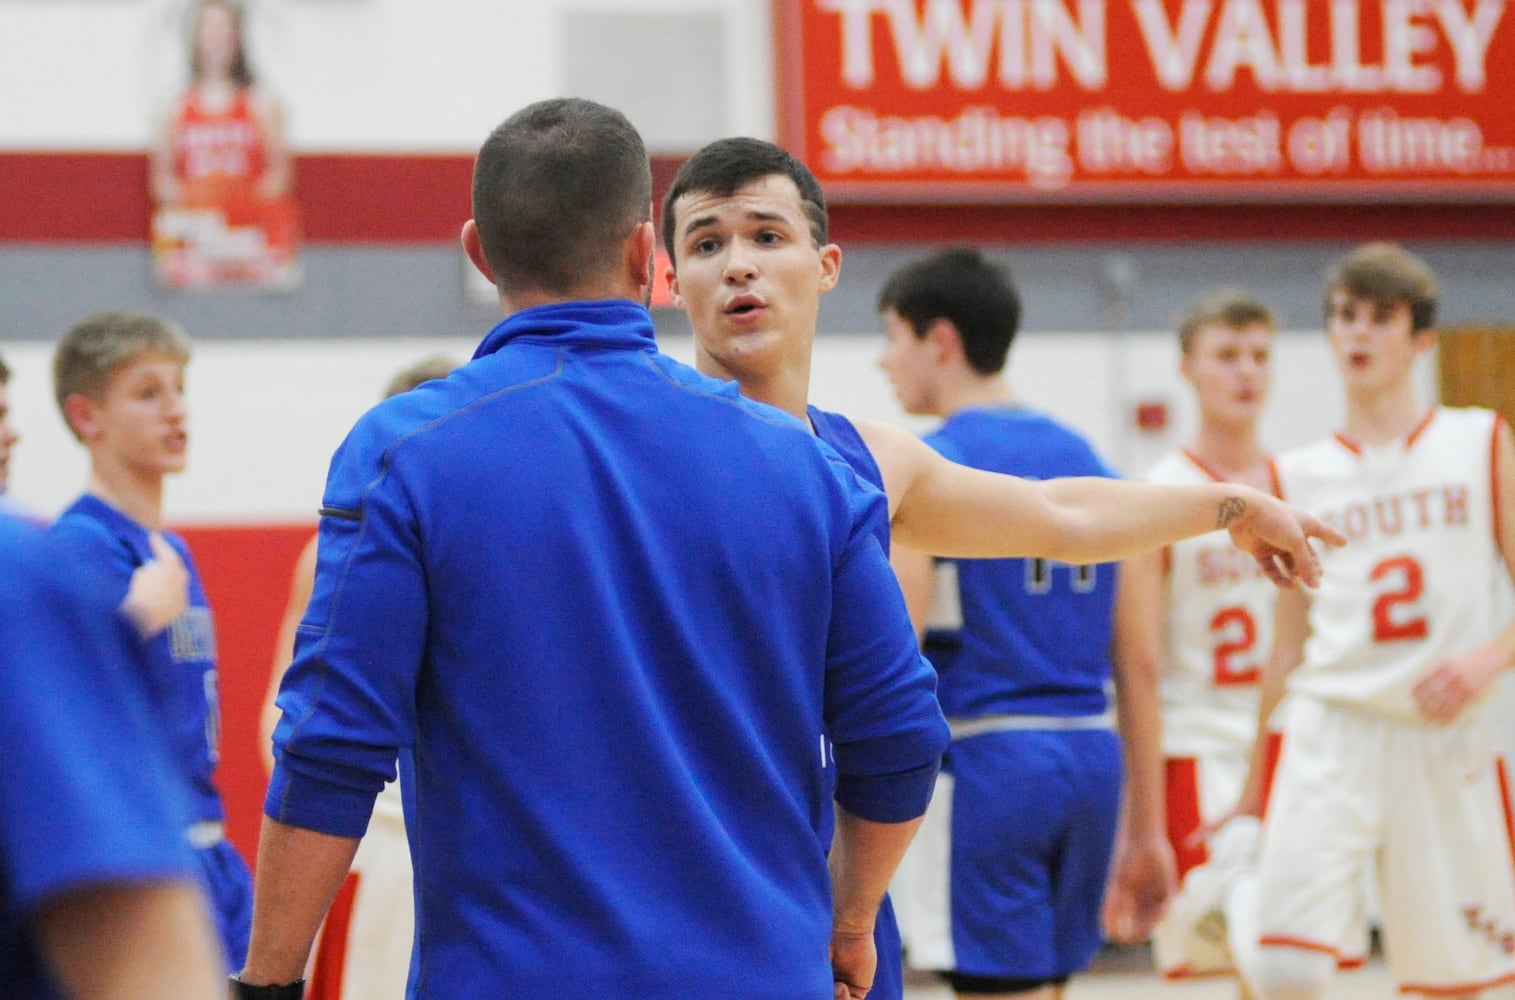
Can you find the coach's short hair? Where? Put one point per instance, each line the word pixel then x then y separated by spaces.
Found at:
pixel 557 188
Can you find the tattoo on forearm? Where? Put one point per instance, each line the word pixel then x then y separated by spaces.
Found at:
pixel 1230 509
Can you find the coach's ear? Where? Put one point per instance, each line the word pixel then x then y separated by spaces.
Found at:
pixel 640 252
pixel 475 250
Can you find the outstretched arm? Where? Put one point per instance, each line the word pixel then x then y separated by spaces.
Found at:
pixel 1143 873
pixel 914 570
pixel 948 509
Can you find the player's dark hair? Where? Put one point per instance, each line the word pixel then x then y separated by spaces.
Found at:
pixel 557 188
pixel 959 285
pixel 725 165
pixel 1386 274
pixel 5 372
pixel 1230 307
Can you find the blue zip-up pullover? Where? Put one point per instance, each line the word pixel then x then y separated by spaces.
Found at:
pixel 618 611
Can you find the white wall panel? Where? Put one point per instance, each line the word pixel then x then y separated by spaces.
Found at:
pixel 266 415
pixel 354 75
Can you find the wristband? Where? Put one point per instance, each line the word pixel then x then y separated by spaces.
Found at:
pixel 247 991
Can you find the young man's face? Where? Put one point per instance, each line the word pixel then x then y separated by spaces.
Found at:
pixel 1230 370
pixel 8 437
pixel 140 424
pixel 908 360
pixel 1373 342
pixel 749 274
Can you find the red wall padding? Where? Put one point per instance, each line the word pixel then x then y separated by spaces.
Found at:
pixel 246 571
pixel 74 197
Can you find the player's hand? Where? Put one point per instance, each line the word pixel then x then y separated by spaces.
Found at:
pixel 853 963
pixel 1143 880
pixel 1277 535
pixel 1452 685
pixel 159 589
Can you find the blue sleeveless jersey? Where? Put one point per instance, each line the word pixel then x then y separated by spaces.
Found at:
pixel 837 431
pixel 1034 635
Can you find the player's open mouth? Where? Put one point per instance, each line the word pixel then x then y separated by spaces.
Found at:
pixel 743 305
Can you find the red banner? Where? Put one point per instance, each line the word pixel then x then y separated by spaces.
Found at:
pixel 1137 100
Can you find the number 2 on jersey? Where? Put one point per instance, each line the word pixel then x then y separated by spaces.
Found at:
pixel 1406 586
pixel 1235 631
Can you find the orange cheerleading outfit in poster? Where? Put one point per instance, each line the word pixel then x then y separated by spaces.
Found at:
pixel 224 229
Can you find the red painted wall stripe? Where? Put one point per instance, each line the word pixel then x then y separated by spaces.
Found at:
pixel 246 570
pixel 73 197
pixel 53 197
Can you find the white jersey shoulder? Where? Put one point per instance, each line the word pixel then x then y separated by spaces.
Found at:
pixel 1418 579
pixel 1219 630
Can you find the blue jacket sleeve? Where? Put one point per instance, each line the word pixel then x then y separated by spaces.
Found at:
pixel 349 694
pixel 881 706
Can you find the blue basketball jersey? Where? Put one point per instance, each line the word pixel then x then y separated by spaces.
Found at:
pixel 837 431
pixel 178 666
pixel 1020 636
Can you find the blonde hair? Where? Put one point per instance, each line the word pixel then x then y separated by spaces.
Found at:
pixel 407 378
pixel 1230 307
pixel 90 354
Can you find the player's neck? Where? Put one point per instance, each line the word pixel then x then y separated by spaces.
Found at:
pixel 137 495
pixel 1232 453
pixel 785 384
pixel 1383 416
pixel 972 391
pixel 785 390
pixel 216 93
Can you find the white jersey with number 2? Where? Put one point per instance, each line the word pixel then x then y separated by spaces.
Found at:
pixel 1416 582
pixel 1219 627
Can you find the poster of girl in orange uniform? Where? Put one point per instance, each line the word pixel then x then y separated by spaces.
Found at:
pixel 220 172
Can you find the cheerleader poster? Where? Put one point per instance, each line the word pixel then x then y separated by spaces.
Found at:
pixel 224 212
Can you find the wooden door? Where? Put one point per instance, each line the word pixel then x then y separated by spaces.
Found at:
pixel 1478 367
